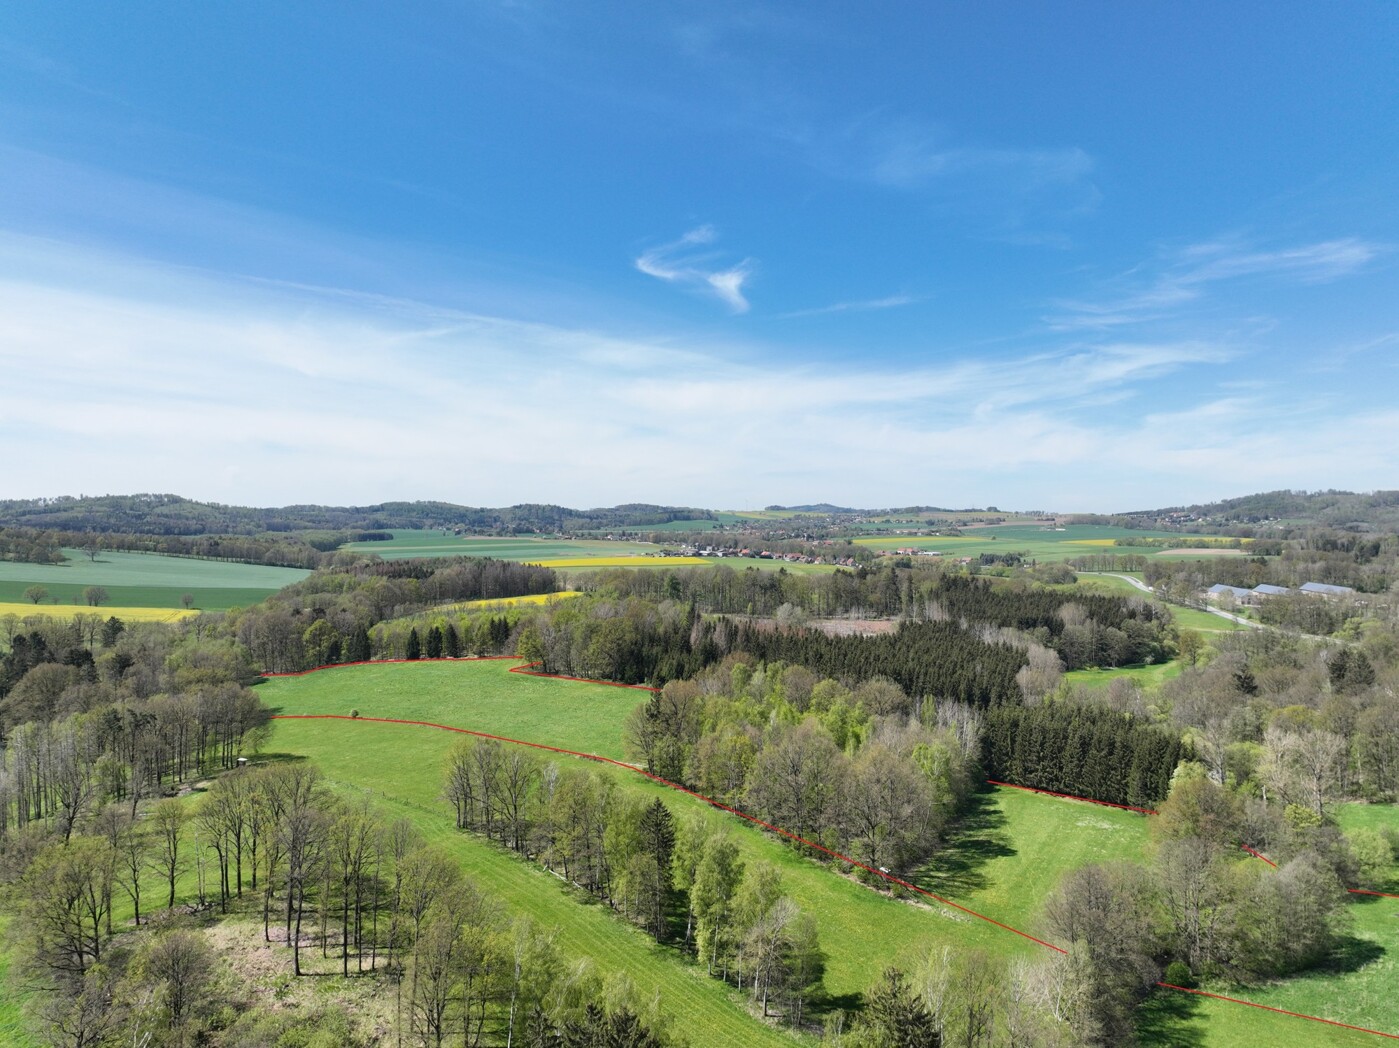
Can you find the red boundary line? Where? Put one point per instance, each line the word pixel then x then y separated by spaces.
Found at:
pixel 525 669
pixel 1071 797
pixel 1353 891
pixel 681 789
pixel 1280 1011
pixel 1259 855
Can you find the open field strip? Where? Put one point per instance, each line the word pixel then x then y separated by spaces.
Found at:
pixel 511 602
pixel 67 611
pixel 147 580
pixel 1185 618
pixel 436 544
pixel 1034 541
pixel 1146 677
pixel 625 562
pixel 863 929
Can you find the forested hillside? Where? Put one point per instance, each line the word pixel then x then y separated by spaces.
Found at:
pixel 174 515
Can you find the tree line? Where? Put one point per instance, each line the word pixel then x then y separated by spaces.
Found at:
pixel 165 514
pixel 340 887
pixel 854 771
pixel 366 610
pixel 680 879
pixel 1081 750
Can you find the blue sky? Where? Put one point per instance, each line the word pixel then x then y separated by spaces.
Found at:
pixel 1088 256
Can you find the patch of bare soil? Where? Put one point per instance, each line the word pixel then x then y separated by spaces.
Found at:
pixel 854 627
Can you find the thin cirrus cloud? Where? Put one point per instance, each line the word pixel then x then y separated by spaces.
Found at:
pixel 1009 188
pixel 307 395
pixel 686 262
pixel 1187 273
pixel 855 306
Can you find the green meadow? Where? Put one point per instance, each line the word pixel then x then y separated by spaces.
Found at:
pixel 1035 541
pixel 606 553
pixel 147 580
pixel 444 544
pixel 1002 860
pixel 988 868
pixel 995 864
pixel 13 1031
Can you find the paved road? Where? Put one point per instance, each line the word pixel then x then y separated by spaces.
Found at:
pixel 1139 584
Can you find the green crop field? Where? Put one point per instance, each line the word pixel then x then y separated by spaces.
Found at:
pixel 1037 542
pixel 442 544
pixel 147 580
pixel 1002 861
pixel 574 553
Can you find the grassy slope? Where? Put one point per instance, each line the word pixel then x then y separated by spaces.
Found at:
pixel 988 867
pixel 147 580
pixel 1077 540
pixel 12 1028
pixel 1002 862
pixel 1145 676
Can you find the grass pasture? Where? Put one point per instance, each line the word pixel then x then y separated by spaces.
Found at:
pixel 13 1030
pixel 1001 861
pixel 521 548
pixel 147 580
pixel 1145 677
pixel 988 867
pixel 1035 541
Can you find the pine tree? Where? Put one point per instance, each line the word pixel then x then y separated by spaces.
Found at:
pixel 415 646
pixel 897 1016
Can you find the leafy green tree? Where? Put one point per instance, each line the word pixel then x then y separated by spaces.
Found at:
pixel 180 966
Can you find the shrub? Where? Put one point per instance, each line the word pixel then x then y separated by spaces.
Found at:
pixel 1178 974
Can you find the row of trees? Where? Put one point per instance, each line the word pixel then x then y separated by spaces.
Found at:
pixel 1087 751
pixel 855 772
pixel 366 610
pixel 121 751
pixel 681 880
pixel 342 888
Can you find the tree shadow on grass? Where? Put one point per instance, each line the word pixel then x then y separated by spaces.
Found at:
pixel 1351 954
pixel 958 869
pixel 277 757
pixel 1170 1019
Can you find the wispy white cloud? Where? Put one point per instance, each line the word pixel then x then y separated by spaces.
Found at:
pixel 684 261
pixel 854 306
pixel 1185 275
pixel 189 383
pixel 1014 192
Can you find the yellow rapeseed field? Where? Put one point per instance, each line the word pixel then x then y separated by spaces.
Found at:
pixel 67 611
pixel 510 602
